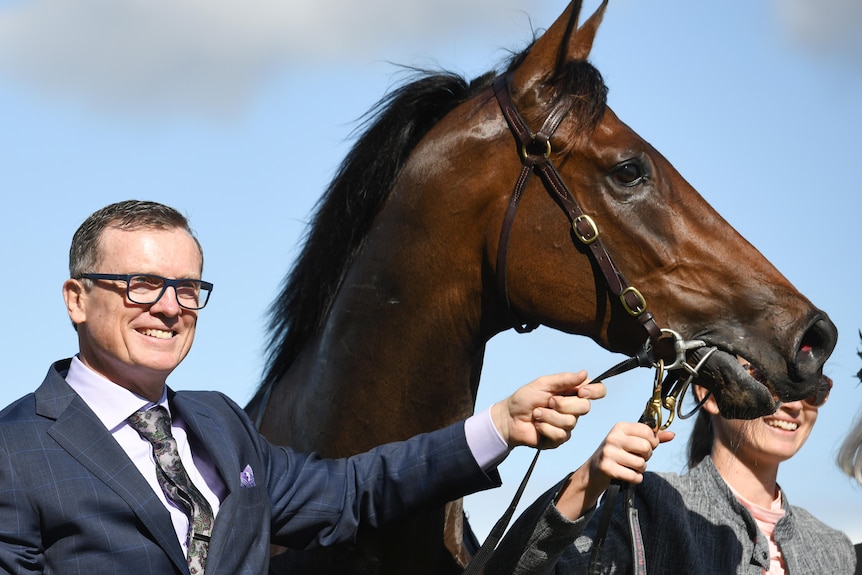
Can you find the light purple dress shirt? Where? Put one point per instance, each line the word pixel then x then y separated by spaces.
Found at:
pixel 112 404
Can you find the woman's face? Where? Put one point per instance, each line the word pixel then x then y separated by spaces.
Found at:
pixel 771 439
pixel 768 440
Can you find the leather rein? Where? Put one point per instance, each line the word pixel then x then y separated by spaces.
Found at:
pixel 535 154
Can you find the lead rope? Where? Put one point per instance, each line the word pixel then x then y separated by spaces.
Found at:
pixel 668 393
pixel 668 398
pixel 641 359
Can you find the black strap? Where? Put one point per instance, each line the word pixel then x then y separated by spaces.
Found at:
pixel 635 536
pixel 489 546
pixel 641 359
pixel 610 497
pixel 535 150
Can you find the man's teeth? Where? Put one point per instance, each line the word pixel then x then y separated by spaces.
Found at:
pixel 788 425
pixel 158 333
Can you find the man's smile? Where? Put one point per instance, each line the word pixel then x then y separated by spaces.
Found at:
pixel 157 333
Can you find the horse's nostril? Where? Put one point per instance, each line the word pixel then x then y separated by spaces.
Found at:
pixel 815 347
pixel 811 341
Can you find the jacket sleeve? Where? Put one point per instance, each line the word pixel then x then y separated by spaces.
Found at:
pixel 20 536
pixel 538 539
pixel 319 502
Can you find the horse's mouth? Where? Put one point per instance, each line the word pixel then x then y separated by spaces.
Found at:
pixel 741 390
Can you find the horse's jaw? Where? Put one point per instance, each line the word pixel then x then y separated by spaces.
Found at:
pixel 737 394
pixel 771 375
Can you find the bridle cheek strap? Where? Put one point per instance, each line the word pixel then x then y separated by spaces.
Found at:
pixel 535 153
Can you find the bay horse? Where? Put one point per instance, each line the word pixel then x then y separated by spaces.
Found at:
pixel 381 327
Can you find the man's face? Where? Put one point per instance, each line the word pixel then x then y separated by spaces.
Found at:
pixel 136 346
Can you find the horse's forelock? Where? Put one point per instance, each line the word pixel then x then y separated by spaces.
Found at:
pixel 578 78
pixel 585 82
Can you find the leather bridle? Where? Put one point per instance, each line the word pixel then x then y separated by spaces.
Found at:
pixel 535 154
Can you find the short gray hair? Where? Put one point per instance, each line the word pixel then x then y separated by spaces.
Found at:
pixel 126 215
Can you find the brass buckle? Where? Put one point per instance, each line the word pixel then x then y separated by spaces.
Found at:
pixel 641 305
pixel 594 230
pixel 652 411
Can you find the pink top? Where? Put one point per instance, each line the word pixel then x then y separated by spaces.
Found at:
pixel 766 520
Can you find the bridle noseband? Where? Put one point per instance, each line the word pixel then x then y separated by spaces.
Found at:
pixel 535 154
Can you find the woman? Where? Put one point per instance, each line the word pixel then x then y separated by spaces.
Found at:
pixel 726 515
pixel 850 454
pixel 850 461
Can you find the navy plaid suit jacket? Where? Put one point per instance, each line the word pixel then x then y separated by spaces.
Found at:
pixel 72 502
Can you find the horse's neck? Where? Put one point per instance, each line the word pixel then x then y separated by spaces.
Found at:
pixel 402 347
pixel 393 360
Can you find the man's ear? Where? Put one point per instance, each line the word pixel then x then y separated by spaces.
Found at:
pixel 75 295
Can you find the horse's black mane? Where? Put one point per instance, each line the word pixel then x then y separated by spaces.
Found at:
pixel 344 214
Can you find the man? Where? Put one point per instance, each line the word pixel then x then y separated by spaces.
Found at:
pixel 104 469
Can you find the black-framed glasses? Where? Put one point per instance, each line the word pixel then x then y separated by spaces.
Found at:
pixel 147 289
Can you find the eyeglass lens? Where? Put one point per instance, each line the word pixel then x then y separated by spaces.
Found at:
pixel 147 289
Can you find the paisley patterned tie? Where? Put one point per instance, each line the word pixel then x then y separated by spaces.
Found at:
pixel 154 425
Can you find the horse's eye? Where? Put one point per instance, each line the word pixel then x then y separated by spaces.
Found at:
pixel 629 173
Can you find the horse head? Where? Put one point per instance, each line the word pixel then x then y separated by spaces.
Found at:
pixel 416 258
pixel 699 277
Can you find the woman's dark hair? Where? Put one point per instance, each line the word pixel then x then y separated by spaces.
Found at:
pixel 701 439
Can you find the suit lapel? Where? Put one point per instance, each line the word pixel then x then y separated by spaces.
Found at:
pixel 82 435
pixel 207 433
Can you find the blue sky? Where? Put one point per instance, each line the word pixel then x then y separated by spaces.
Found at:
pixel 237 113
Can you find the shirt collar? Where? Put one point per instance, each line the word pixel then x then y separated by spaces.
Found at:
pixel 111 403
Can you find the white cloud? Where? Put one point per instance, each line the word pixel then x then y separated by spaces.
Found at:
pixel 210 52
pixel 828 27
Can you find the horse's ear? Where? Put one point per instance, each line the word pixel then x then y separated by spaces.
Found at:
pixel 561 43
pixel 581 43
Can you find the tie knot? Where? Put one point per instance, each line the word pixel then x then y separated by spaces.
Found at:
pixel 153 424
